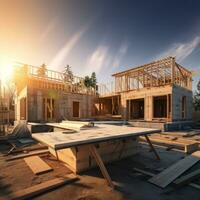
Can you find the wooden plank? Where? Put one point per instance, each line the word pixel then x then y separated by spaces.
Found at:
pixel 187 178
pixel 194 185
pixel 171 173
pixel 152 147
pixel 37 165
pixel 38 189
pixel 101 165
pixel 28 154
pixel 143 171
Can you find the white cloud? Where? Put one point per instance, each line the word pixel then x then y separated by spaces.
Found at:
pixel 120 54
pixel 181 50
pixel 50 27
pixel 68 46
pixel 98 59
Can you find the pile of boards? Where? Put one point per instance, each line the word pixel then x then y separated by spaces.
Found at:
pixel 173 174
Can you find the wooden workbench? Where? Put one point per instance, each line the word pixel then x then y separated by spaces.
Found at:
pixel 68 146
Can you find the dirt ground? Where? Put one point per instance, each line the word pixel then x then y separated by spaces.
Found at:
pixel 131 185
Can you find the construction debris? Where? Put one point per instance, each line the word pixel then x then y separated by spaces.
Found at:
pixel 21 130
pixel 183 180
pixel 174 171
pixel 152 175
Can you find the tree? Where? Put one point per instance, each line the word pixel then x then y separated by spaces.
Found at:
pixel 68 74
pixel 42 70
pixel 196 97
pixel 93 80
pixel 87 81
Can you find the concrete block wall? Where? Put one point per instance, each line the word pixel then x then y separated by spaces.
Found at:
pixel 63 104
pixel 178 93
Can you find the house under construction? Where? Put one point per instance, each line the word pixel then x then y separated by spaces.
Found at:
pixel 160 91
pixel 50 96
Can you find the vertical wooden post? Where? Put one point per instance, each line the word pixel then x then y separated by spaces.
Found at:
pixel 51 108
pixel 167 107
pixel 172 70
pixel 45 109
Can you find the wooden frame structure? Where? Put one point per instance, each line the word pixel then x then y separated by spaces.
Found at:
pixel 164 79
pixel 155 74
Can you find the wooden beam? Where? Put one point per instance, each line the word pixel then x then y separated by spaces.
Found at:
pixel 101 165
pixel 187 178
pixel 194 185
pixel 29 193
pixel 152 147
pixel 171 173
pixel 28 154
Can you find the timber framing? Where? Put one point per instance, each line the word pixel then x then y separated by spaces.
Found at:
pixel 160 91
pixel 154 74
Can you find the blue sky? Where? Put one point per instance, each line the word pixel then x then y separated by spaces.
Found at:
pixel 104 36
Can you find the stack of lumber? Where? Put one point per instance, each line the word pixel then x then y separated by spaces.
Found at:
pixel 187 145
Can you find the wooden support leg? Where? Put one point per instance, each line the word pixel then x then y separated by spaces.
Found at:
pixel 152 147
pixel 101 165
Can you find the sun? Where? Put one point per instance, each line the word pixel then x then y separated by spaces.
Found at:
pixel 6 69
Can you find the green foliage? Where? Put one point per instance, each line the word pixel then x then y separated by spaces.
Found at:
pixel 68 74
pixel 87 81
pixel 91 81
pixel 196 97
pixel 42 70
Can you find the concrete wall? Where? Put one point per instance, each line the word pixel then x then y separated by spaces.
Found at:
pixel 86 105
pixel 63 104
pixel 147 94
pixel 22 94
pixel 178 93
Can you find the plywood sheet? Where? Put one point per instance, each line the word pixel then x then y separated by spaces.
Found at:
pixel 37 165
pixel 58 140
pixel 174 171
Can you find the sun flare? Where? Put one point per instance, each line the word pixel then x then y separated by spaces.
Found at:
pixel 6 69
